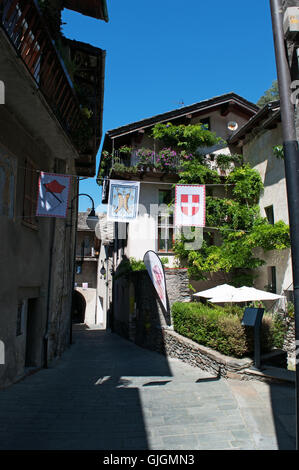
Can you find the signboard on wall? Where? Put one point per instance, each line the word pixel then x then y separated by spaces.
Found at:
pixel 156 273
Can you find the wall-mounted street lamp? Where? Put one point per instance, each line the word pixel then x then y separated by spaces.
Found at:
pixel 103 270
pixel 92 218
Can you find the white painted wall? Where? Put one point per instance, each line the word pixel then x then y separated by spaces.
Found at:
pixel 90 296
pixel 218 123
pixel 258 151
pixel 143 232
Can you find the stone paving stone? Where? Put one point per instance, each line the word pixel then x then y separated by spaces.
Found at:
pixel 215 436
pixel 156 420
pixel 229 426
pixel 207 444
pixel 264 442
pixel 241 444
pixel 241 435
pixel 198 419
pixel 189 442
pixel 227 406
pixel 173 430
pixel 258 421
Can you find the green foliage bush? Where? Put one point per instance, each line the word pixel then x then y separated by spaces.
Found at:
pixel 247 184
pixel 128 266
pixel 182 137
pixel 224 161
pixel 221 328
pixel 272 94
pixel 237 217
pixel 194 172
pixel 278 152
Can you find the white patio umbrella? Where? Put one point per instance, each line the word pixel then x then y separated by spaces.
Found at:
pixel 245 294
pixel 253 294
pixel 218 291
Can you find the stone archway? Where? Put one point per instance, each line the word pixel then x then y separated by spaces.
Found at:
pixel 79 307
pixel 90 304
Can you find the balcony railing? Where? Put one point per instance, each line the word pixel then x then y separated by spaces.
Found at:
pixel 136 162
pixel 25 28
pixel 151 162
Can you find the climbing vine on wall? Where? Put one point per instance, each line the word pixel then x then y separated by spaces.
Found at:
pixel 235 218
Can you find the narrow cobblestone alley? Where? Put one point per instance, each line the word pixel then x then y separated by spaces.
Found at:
pixel 105 393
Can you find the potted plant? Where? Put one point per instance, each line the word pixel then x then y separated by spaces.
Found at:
pixel 146 159
pixel 166 160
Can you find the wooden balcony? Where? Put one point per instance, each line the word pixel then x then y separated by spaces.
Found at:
pixel 27 32
pixel 94 8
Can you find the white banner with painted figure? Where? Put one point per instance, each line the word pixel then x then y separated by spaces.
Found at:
pixel 53 195
pixel 123 201
pixel 156 273
pixel 190 205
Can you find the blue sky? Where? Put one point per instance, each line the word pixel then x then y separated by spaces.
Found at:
pixel 161 53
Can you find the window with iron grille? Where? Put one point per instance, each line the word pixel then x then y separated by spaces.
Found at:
pixel 30 194
pixel 272 279
pixel 270 214
pixel 166 230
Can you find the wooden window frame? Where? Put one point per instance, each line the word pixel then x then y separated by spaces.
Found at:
pixel 166 226
pixel 272 279
pixel 21 312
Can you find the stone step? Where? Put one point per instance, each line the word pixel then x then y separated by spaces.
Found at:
pixel 272 374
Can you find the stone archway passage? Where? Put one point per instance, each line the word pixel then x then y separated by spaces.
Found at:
pixel 79 307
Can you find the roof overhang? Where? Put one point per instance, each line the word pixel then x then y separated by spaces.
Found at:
pixel 94 8
pixel 226 102
pixel 267 118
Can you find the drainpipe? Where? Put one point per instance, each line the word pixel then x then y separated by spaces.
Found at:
pixel 107 294
pixel 291 160
pixel 74 257
pixel 46 335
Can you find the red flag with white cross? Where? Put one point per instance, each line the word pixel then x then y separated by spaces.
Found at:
pixel 190 205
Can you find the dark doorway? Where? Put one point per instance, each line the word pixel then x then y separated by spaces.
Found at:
pixel 31 334
pixel 79 307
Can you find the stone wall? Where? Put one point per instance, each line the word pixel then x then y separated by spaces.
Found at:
pixel 175 345
pixel 289 341
pixel 177 285
pixel 139 318
pixel 137 313
pixel 172 344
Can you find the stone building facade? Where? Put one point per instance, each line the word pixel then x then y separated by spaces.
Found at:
pixel 86 272
pixel 154 230
pixel 37 134
pixel 256 142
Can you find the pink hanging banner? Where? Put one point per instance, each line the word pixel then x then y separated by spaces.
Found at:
pixel 156 273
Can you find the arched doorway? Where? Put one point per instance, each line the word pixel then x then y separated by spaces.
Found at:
pixel 79 308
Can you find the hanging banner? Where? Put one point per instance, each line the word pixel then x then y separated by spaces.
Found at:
pixel 53 195
pixel 123 201
pixel 190 205
pixel 156 273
